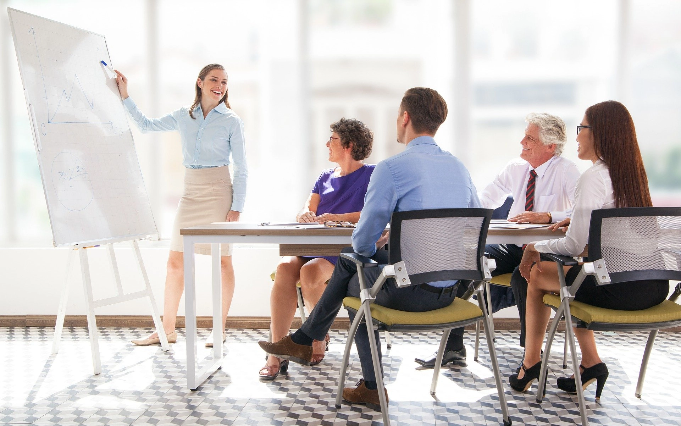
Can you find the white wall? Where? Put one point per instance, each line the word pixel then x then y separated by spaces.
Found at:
pixel 33 278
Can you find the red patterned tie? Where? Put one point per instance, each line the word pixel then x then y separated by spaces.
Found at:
pixel 529 194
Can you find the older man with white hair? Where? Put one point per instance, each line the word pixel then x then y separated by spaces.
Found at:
pixel 542 184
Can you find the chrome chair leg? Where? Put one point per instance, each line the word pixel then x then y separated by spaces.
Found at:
pixel 477 340
pixel 541 389
pixel 489 333
pixel 438 361
pixel 565 350
pixel 644 363
pixel 489 306
pixel 575 363
pixel 378 372
pixel 346 356
pixel 301 304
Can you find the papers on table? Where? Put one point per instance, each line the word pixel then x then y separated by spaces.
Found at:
pixel 504 224
pixel 294 224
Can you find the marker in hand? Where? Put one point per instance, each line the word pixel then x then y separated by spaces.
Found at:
pixel 109 67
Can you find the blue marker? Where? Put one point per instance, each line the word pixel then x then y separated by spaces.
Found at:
pixel 109 67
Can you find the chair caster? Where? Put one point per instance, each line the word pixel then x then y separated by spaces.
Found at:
pixel 508 422
pixel 338 407
pixel 389 346
pixel 564 366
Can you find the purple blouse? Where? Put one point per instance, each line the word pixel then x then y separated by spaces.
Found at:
pixel 342 194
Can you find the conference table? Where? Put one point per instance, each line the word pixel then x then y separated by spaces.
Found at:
pixel 293 240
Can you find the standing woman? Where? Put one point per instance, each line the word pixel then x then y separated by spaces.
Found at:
pixel 617 178
pixel 211 132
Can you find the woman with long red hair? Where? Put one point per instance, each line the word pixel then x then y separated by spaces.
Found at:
pixel 606 137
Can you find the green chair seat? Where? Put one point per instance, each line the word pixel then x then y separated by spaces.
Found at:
pixel 503 280
pixel 274 274
pixel 459 310
pixel 664 312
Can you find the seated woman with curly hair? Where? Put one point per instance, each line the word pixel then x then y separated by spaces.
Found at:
pixel 338 195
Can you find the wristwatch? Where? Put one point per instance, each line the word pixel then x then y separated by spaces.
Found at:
pixel 550 218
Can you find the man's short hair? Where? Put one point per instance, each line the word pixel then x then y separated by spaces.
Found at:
pixel 427 109
pixel 551 129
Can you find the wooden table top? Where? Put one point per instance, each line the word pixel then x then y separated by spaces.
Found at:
pixel 229 228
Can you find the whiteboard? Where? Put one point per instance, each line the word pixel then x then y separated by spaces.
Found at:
pixel 88 164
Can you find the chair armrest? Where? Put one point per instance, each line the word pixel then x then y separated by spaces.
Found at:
pixel 563 260
pixel 677 292
pixel 358 259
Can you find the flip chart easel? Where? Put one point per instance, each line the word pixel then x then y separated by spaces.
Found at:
pixel 93 184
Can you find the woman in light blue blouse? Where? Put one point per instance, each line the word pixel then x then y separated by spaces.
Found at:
pixel 211 132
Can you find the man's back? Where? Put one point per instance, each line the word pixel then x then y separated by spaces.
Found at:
pixel 422 177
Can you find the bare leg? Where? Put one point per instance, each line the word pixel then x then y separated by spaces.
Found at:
pixel 587 342
pixel 313 277
pixel 283 299
pixel 227 286
pixel 173 291
pixel 537 314
pixel 174 288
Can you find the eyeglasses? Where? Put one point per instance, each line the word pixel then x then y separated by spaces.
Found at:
pixel 332 138
pixel 580 127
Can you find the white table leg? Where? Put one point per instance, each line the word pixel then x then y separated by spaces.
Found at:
pixel 190 310
pixel 217 302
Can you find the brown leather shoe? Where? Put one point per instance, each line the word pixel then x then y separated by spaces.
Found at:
pixel 288 349
pixel 362 395
pixel 148 341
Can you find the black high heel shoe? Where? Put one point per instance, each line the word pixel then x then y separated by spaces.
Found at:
pixel 598 373
pixel 531 374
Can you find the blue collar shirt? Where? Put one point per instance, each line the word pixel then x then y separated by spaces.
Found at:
pixel 206 142
pixel 423 176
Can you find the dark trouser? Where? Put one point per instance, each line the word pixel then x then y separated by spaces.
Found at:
pixel 344 282
pixel 507 257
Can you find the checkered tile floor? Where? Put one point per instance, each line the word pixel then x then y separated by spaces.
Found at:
pixel 147 386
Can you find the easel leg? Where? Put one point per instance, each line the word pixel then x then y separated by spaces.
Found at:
pixel 59 325
pixel 91 320
pixel 152 301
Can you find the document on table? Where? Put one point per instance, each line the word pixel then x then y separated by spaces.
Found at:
pixel 504 224
pixel 294 224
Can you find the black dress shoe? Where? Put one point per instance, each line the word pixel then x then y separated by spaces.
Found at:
pixel 598 373
pixel 453 357
pixel 531 374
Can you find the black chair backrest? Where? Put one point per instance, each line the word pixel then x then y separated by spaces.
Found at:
pixel 440 244
pixel 637 243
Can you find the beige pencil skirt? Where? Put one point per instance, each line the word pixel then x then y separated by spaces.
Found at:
pixel 207 198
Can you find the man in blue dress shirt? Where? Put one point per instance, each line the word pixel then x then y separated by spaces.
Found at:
pixel 422 177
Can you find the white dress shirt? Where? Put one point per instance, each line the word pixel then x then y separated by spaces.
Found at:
pixel 594 191
pixel 554 187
